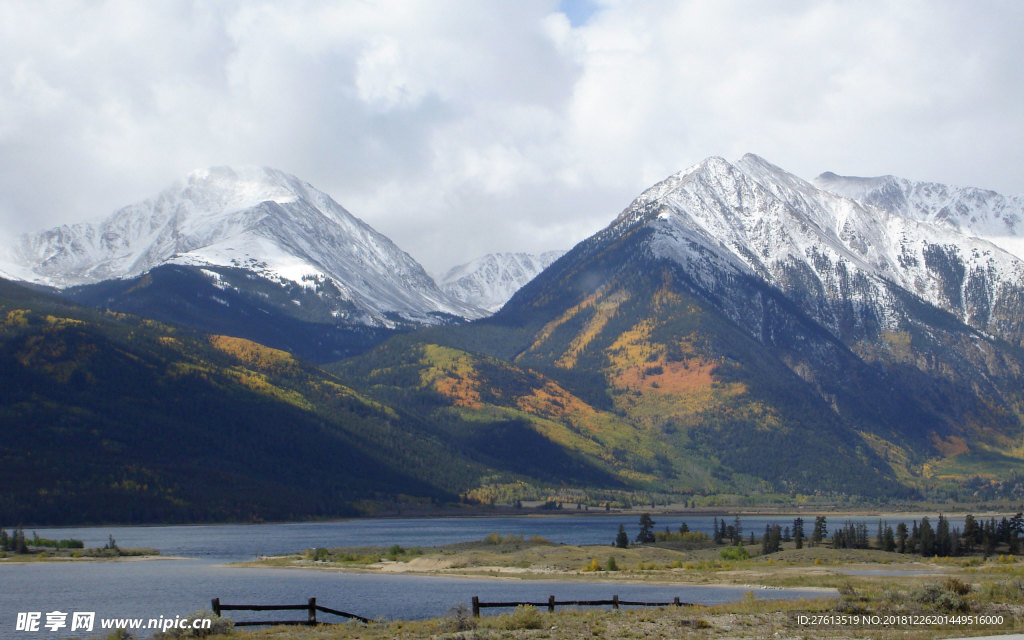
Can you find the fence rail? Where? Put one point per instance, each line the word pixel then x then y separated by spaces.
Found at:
pixel 551 603
pixel 311 607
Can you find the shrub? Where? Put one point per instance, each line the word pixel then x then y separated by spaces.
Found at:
pixel 942 596
pixel 524 617
pixel 461 618
pixel 734 553
pixel 611 565
pixel 492 538
pixel 593 565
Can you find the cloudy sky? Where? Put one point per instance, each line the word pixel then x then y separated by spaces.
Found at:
pixel 460 127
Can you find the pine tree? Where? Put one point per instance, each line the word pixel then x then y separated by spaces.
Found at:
pixel 901 537
pixel 888 540
pixel 622 538
pixel 927 537
pixel 646 535
pixel 972 533
pixel 820 531
pixel 943 543
pixel 989 538
pixel 798 532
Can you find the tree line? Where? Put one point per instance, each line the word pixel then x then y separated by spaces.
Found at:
pixel 921 537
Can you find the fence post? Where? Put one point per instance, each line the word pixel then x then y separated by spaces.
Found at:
pixel 615 601
pixel 215 605
pixel 476 606
pixel 551 604
pixel 312 612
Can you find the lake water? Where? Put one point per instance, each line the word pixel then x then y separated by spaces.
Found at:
pixel 149 589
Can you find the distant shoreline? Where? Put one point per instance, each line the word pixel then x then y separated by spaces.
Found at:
pixel 527 513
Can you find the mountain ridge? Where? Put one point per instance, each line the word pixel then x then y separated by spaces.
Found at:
pixel 490 280
pixel 255 218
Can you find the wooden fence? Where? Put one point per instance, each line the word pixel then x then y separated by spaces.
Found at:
pixel 551 603
pixel 311 607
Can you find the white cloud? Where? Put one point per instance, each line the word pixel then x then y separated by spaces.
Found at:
pixel 464 127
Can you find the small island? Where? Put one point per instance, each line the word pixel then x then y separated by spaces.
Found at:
pixel 16 547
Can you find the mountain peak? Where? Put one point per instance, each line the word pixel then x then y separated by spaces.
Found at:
pixel 489 281
pixel 255 218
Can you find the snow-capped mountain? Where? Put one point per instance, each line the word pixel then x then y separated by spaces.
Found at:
pixel 845 263
pixel 261 220
pixel 739 312
pixel 489 281
pixel 971 211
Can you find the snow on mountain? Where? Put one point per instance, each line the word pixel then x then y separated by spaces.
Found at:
pixel 259 219
pixel 975 212
pixel 489 281
pixel 842 261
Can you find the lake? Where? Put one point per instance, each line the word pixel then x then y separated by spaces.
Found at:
pixel 153 588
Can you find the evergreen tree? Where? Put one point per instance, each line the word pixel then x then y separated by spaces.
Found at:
pixel 683 528
pixel 739 529
pixel 901 537
pixel 1016 529
pixel 954 545
pixel 820 530
pixel 943 542
pixel 798 533
pixel 716 534
pixel 972 533
pixel 646 535
pixel 888 540
pixel 927 538
pixel 989 538
pixel 622 538
pixel 771 539
pixel 5 541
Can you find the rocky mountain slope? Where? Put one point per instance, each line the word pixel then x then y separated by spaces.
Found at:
pixel 971 211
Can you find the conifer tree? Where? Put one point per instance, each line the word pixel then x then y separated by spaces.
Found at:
pixel 646 535
pixel 820 530
pixel 622 538
pixel 926 535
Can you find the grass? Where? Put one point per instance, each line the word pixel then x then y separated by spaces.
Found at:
pixel 63 555
pixel 967 586
pixel 747 619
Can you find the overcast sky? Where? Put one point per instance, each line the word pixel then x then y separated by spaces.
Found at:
pixel 464 127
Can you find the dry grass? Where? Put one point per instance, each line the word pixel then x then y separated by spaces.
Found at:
pixel 956 586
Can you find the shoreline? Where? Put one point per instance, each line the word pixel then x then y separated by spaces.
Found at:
pixel 572 513
pixel 493 574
